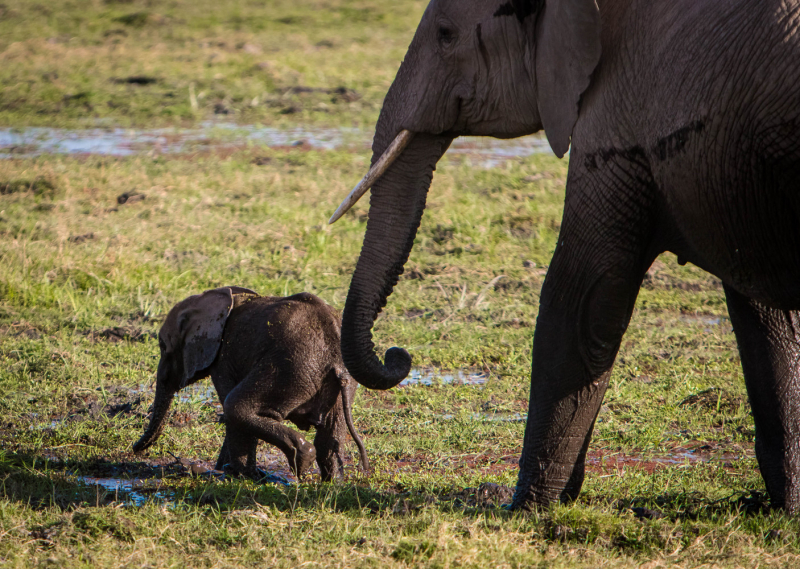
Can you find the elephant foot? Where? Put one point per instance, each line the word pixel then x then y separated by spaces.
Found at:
pixel 240 471
pixel 548 483
pixel 331 470
pixel 527 500
pixel 301 458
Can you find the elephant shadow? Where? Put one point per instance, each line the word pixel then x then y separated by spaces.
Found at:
pixel 692 506
pixel 41 483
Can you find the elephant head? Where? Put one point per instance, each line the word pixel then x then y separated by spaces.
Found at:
pixel 495 68
pixel 189 341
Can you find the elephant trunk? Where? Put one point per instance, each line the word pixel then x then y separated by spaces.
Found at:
pixel 161 406
pixel 397 202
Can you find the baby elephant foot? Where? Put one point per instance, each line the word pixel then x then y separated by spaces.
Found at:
pixel 301 457
pixel 240 470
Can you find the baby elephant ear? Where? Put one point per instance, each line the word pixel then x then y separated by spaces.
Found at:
pixel 201 323
pixel 239 290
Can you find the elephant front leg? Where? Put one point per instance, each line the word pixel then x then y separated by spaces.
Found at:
pixel 605 247
pixel 769 345
pixel 238 453
pixel 573 353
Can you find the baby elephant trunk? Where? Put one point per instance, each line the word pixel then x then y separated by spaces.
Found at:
pixel 160 409
pixel 348 419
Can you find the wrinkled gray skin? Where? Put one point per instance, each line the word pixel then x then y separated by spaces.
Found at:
pixel 684 118
pixel 271 359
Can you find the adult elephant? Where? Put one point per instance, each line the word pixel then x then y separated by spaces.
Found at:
pixel 684 120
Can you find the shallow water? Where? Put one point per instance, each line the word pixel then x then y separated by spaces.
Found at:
pixel 131 491
pixel 428 378
pixel 678 457
pixel 35 141
pixel 719 323
pixel 490 417
pixel 139 491
pixel 201 392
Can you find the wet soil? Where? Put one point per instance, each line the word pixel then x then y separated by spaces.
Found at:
pixel 120 334
pixel 221 136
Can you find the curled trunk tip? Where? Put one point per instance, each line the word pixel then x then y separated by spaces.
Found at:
pixel 396 207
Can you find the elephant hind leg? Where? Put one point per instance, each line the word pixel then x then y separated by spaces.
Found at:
pixel 330 443
pixel 244 412
pixel 769 346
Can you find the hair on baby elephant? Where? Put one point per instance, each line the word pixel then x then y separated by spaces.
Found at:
pixel 271 359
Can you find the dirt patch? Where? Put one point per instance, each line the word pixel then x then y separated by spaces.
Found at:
pixel 338 94
pixel 514 323
pixel 136 80
pixel 714 399
pixel 120 334
pixel 89 405
pixel 81 238
pixel 130 197
pixel 519 226
pixel 486 495
pixel 616 463
pixel 487 464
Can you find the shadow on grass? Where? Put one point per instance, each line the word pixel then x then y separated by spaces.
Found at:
pixel 695 506
pixel 41 483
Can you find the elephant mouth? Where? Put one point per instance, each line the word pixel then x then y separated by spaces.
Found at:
pixel 393 151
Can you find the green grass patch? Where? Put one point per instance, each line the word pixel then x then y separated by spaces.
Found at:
pixel 95 250
pixel 85 281
pixel 81 62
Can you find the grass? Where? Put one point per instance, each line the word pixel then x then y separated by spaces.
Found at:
pixel 85 281
pixel 78 266
pixel 138 62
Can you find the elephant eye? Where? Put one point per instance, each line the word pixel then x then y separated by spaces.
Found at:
pixel 445 35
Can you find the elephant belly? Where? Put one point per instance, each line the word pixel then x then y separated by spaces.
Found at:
pixel 743 227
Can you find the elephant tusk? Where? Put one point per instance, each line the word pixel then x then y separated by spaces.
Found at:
pixel 386 159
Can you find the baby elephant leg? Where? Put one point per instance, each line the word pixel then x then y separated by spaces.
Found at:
pixel 244 412
pixel 329 443
pixel 238 452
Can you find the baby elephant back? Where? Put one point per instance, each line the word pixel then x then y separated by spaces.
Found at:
pixel 301 333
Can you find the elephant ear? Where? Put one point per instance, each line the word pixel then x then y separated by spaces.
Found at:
pixel 201 323
pixel 239 290
pixel 567 52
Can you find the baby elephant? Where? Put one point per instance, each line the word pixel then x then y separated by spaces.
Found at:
pixel 270 359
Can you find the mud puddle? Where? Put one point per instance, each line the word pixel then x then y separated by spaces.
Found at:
pixel 598 461
pixel 35 141
pixel 617 462
pixel 134 492
pixel 486 152
pixel 429 377
pixel 153 481
pixel 490 417
pixel 709 323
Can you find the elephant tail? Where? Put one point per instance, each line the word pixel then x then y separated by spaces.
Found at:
pixel 347 404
